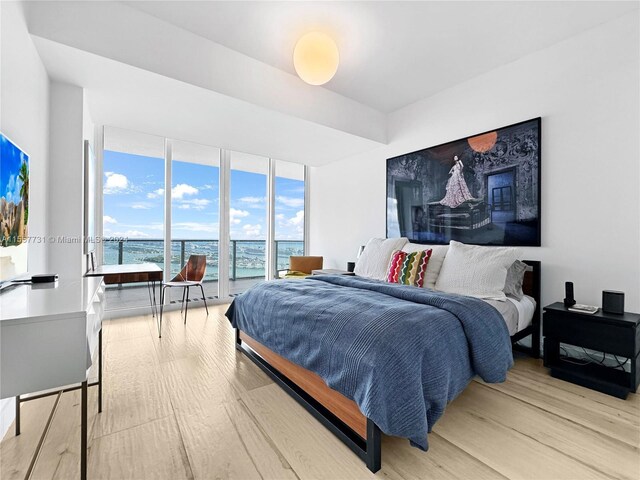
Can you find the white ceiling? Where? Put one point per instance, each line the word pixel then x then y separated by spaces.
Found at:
pixel 392 53
pixel 141 101
pixel 220 73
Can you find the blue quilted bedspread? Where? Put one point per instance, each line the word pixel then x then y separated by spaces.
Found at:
pixel 401 353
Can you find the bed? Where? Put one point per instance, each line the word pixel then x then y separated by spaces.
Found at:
pixel 325 340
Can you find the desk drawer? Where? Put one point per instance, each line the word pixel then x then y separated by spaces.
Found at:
pixel 587 332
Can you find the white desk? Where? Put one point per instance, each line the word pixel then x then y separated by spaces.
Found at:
pixel 48 335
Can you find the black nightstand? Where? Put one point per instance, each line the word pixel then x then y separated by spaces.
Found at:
pixel 604 332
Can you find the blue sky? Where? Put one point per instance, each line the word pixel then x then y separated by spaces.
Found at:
pixel 12 157
pixel 134 199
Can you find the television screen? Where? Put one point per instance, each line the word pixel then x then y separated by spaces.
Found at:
pixel 14 208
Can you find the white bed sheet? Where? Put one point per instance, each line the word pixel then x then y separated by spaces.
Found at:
pixel 517 314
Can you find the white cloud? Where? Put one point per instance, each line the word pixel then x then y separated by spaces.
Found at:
pixel 140 206
pixel 12 193
pixel 107 219
pixel 179 191
pixel 290 228
pixel 252 231
pixel 292 202
pixel 156 193
pixel 195 227
pixel 128 234
pixel 252 200
pixel 194 203
pixel 115 183
pixel 298 219
pixel 235 215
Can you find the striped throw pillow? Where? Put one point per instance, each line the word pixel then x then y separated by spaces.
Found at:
pixel 408 268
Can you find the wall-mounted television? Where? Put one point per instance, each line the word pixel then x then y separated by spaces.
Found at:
pixel 14 208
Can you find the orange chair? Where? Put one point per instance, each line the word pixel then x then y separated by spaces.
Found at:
pixel 302 266
pixel 191 275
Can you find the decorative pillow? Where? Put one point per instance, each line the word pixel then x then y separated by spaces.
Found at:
pixel 374 261
pixel 408 268
pixel 438 252
pixel 515 279
pixel 476 271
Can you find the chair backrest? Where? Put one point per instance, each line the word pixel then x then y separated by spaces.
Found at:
pixel 305 264
pixel 194 269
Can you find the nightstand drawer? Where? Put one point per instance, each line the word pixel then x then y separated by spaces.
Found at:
pixel 588 332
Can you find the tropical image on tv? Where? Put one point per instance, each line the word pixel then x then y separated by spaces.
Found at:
pixel 14 208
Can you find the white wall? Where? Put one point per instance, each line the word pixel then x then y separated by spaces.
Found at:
pixel 586 91
pixel 66 178
pixel 24 117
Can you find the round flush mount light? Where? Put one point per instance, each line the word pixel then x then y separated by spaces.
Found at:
pixel 316 58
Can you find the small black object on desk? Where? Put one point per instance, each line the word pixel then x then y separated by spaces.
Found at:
pixel 603 332
pixel 569 299
pixel 44 278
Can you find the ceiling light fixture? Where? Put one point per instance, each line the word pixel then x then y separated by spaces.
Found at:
pixel 316 58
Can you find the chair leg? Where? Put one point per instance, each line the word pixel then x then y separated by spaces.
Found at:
pixel 184 291
pixel 186 307
pixel 204 299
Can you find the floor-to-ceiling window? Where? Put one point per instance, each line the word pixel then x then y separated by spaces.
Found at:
pixel 195 209
pixel 247 221
pixel 289 212
pixel 164 200
pixel 133 208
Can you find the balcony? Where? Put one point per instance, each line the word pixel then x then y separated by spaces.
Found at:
pixel 247 265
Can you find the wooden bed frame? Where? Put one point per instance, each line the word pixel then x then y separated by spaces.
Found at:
pixel 340 414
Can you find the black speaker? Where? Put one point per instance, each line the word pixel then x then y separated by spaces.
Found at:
pixel 569 301
pixel 613 302
pixel 351 266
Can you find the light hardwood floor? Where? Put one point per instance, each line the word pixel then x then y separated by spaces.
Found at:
pixel 190 406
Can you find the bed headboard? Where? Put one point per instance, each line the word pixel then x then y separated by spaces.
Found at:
pixel 531 287
pixel 531 284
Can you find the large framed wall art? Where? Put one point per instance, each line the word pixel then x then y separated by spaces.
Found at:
pixel 483 189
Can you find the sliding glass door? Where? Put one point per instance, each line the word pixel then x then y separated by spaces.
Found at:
pixel 195 190
pixel 133 209
pixel 289 212
pixel 247 221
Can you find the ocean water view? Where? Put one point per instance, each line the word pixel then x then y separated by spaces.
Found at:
pixel 246 257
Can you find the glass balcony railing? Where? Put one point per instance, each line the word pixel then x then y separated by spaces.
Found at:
pixel 247 258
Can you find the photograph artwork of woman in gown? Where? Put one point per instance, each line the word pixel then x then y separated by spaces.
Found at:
pixel 457 190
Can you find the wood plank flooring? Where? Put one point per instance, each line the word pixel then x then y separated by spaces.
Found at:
pixel 189 406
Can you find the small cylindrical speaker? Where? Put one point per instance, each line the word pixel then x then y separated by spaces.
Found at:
pixel 569 300
pixel 351 266
pixel 613 302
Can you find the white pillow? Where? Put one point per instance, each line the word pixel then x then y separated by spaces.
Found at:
pixel 476 271
pixel 438 252
pixel 374 261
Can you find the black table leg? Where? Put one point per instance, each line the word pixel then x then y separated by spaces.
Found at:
pixel 83 432
pixel 100 371
pixel 153 313
pixel 161 310
pixel 18 415
pixel 155 304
